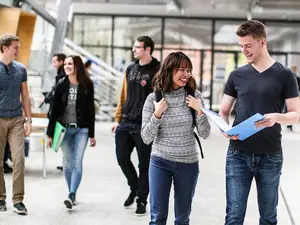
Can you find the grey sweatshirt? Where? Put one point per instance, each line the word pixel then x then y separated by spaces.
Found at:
pixel 173 134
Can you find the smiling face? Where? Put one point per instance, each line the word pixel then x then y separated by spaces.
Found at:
pixel 252 47
pixel 12 51
pixel 69 66
pixel 181 75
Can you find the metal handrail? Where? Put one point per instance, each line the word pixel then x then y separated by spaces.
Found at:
pixel 96 60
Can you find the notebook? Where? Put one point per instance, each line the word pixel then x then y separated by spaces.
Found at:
pixel 244 129
pixel 58 137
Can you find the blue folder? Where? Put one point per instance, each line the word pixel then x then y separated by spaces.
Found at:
pixel 244 129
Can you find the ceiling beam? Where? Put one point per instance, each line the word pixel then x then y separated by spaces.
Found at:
pixel 174 5
pixel 286 4
pixel 252 5
pixel 178 4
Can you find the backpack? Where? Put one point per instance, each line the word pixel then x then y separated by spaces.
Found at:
pixel 159 96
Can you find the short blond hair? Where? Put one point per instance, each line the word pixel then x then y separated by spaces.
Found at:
pixel 6 40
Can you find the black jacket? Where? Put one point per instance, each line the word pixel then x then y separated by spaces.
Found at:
pixel 85 108
pixel 139 86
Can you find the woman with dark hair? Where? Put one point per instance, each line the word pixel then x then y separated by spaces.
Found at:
pixel 73 107
pixel 169 125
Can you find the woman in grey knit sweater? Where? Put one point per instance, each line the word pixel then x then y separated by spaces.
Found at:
pixel 169 125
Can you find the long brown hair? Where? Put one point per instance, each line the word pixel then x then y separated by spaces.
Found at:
pixel 163 80
pixel 79 69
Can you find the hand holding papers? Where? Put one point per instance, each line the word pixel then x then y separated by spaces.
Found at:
pixel 243 130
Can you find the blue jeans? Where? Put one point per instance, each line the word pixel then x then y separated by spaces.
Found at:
pixel 184 176
pixel 241 168
pixel 73 148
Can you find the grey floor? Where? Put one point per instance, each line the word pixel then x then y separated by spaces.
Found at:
pixel 104 189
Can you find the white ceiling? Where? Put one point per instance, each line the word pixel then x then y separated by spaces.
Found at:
pixel 264 9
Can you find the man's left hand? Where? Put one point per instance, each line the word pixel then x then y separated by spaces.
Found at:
pixel 268 121
pixel 27 128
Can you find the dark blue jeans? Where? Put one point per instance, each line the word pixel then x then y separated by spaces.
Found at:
pixel 241 168
pixel 128 136
pixel 184 176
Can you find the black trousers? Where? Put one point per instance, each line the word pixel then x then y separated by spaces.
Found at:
pixel 127 137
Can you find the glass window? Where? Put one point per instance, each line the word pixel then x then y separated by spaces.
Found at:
pixel 92 30
pixel 224 64
pixel 294 60
pixel 187 33
pixel 156 54
pixel 122 58
pixel 225 35
pixel 102 53
pixel 127 29
pixel 206 77
pixel 283 37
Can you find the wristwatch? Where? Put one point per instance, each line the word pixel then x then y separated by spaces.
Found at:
pixel 27 120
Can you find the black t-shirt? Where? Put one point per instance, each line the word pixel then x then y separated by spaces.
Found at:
pixel 262 93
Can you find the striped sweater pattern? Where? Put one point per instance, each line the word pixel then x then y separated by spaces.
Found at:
pixel 173 134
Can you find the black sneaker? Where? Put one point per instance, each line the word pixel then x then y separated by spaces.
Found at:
pixel 68 202
pixel 3 205
pixel 140 209
pixel 20 208
pixel 129 201
pixel 60 168
pixel 72 196
pixel 290 127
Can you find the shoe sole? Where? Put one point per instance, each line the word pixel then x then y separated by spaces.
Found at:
pixel 20 212
pixel 68 204
pixel 140 214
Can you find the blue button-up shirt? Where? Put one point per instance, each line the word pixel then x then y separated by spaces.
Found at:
pixel 11 78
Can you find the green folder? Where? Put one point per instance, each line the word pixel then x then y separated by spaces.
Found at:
pixel 58 137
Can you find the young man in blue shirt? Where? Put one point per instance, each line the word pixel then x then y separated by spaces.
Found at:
pixel 13 127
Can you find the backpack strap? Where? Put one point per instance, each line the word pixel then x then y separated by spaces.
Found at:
pixel 199 143
pixel 158 95
pixel 193 112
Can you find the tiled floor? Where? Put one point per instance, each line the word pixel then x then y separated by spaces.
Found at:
pixel 104 189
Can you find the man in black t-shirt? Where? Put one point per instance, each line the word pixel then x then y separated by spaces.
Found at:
pixel 137 85
pixel 262 86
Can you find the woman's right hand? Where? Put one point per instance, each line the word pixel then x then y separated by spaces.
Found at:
pixel 160 107
pixel 49 141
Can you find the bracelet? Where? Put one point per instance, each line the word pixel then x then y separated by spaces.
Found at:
pixel 27 120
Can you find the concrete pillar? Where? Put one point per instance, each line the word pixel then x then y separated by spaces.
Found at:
pixel 61 26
